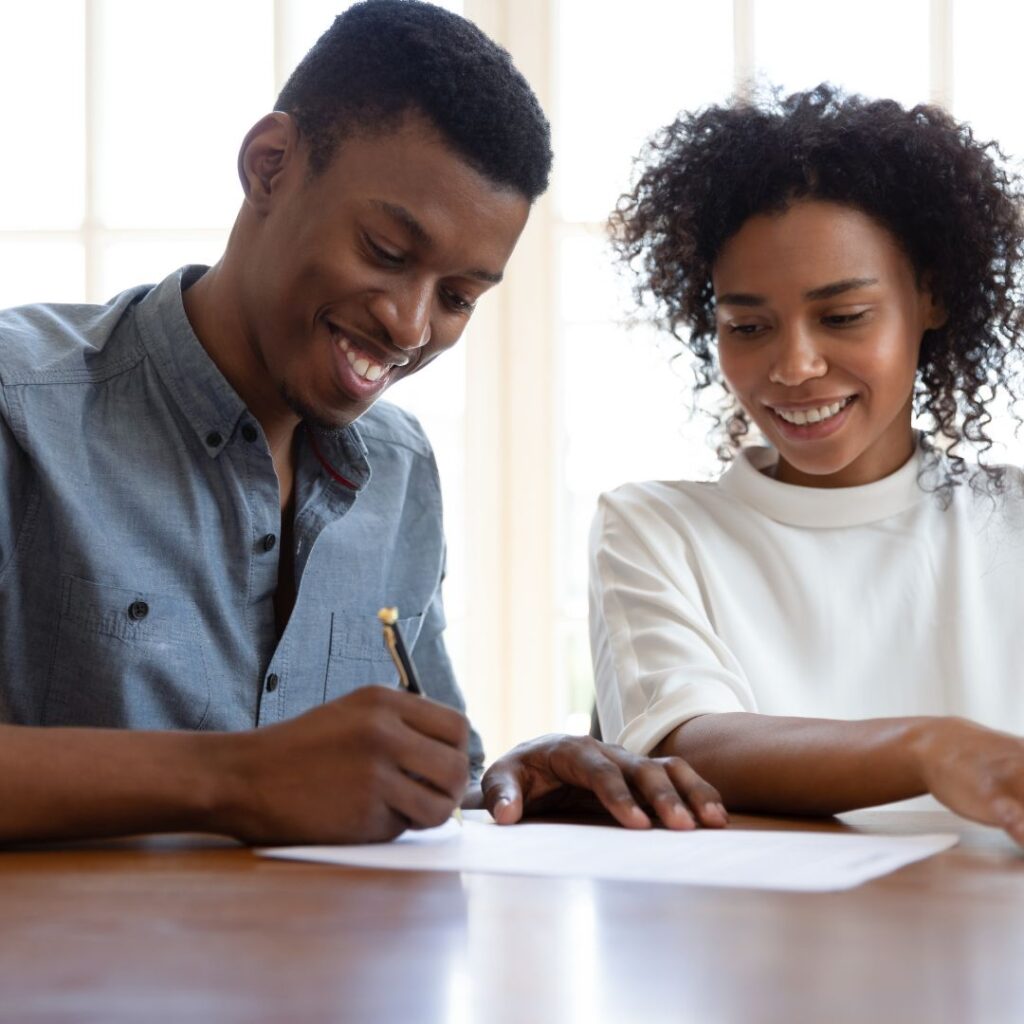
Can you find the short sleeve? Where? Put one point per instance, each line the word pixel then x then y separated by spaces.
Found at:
pixel 14 486
pixel 657 659
pixel 437 677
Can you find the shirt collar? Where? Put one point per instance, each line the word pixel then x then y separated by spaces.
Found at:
pixel 210 404
pixel 823 506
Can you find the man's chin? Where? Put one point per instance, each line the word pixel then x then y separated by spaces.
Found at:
pixel 324 421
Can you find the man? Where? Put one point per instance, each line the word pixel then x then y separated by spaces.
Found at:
pixel 203 508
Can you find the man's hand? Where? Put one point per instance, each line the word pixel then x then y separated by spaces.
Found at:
pixel 577 772
pixel 360 769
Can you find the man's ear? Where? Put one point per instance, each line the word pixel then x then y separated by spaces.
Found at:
pixel 266 151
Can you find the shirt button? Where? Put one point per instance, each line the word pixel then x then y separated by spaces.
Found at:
pixel 138 610
pixel 213 439
pixel 249 432
pixel 271 682
pixel 268 542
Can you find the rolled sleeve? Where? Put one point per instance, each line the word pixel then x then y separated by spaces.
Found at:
pixel 657 659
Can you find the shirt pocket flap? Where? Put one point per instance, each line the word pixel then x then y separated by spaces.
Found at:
pixel 127 614
pixel 358 636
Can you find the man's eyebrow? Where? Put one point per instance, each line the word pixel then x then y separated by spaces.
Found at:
pixel 403 217
pixel 826 291
pixel 422 237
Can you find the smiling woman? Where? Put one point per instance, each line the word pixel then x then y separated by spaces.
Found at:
pixel 854 569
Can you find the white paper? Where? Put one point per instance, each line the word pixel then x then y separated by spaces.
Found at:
pixel 797 861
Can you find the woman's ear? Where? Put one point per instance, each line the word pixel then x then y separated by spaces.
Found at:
pixel 934 312
pixel 267 149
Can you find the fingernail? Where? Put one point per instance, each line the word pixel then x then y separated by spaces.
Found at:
pixel 683 814
pixel 638 816
pixel 501 804
pixel 716 812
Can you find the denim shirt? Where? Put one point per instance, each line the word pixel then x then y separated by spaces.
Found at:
pixel 139 527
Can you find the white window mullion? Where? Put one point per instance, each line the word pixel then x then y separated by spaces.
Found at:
pixel 743 46
pixel 512 450
pixel 941 53
pixel 91 229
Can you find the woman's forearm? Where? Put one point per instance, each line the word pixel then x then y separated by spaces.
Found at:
pixel 769 764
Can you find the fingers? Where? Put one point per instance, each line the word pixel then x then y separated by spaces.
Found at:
pixel 435 720
pixel 585 763
pixel 701 796
pixel 418 802
pixel 622 782
pixel 1010 817
pixel 503 793
pixel 434 763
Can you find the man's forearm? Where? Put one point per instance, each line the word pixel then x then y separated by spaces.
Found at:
pixel 72 783
pixel 769 764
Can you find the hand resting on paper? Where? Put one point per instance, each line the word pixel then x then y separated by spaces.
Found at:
pixel 556 773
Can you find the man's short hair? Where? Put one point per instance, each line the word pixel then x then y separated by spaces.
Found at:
pixel 384 58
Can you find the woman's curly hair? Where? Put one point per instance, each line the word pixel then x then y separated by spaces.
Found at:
pixel 948 199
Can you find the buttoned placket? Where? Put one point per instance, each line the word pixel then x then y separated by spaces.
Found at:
pixel 264 551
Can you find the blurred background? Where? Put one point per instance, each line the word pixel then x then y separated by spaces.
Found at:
pixel 123 119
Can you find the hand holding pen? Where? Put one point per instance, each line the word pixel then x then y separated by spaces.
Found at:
pixel 403 663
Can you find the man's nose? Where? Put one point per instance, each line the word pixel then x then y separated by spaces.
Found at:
pixel 796 357
pixel 405 314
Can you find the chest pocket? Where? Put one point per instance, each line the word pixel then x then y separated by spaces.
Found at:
pixel 359 656
pixel 126 659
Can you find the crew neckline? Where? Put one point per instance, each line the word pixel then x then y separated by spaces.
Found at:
pixel 821 507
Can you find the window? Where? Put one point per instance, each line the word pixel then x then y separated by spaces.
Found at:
pixel 124 168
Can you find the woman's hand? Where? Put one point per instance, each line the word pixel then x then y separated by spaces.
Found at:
pixel 977 772
pixel 554 773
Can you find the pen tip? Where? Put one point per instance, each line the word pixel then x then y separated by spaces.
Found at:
pixel 389 616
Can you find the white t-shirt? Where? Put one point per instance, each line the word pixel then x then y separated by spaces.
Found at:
pixel 747 594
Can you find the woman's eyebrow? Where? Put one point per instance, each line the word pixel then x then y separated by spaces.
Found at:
pixel 826 291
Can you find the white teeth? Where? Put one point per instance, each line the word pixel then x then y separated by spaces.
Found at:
pixel 367 368
pixel 800 417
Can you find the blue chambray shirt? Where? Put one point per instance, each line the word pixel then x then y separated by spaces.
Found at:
pixel 139 518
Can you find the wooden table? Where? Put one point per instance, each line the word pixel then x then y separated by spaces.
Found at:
pixel 189 929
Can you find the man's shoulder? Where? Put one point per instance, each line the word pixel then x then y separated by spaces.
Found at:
pixel 51 343
pixel 387 424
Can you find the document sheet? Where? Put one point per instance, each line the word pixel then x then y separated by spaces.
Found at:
pixel 798 861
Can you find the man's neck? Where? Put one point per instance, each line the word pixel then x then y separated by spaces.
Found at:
pixel 214 309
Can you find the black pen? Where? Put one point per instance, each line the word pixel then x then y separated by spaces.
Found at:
pixel 399 654
pixel 403 662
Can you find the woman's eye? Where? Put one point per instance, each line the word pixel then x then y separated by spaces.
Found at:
pixel 844 319
pixel 745 329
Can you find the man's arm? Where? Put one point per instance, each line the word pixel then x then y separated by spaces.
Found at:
pixel 359 769
pixel 764 763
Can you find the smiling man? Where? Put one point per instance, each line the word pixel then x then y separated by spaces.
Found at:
pixel 203 505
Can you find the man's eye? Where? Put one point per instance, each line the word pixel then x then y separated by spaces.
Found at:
pixel 385 256
pixel 458 303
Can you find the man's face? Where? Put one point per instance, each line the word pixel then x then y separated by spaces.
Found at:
pixel 362 274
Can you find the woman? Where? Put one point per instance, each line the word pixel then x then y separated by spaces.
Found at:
pixel 839 265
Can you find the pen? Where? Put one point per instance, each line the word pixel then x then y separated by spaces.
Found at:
pixel 403 662
pixel 399 654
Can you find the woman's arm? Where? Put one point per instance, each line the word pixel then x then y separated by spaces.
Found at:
pixel 818 766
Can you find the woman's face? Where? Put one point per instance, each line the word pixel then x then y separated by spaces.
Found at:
pixel 820 321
